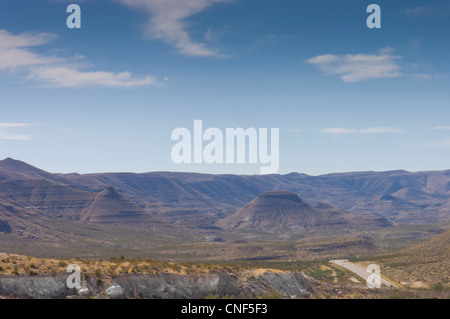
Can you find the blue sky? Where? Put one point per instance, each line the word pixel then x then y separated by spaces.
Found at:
pixel 106 97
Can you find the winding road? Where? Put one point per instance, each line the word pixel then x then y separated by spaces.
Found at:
pixel 360 271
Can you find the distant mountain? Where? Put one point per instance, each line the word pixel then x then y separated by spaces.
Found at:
pixel 273 211
pixel 401 197
pixel 111 208
pixel 24 223
pixel 11 169
pixel 282 211
pixel 47 196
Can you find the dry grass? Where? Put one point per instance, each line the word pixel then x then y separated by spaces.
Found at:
pixel 12 265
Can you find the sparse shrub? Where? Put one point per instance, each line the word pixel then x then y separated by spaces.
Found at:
pixel 318 273
pixel 175 267
pixel 439 286
pixel 134 269
pixel 99 281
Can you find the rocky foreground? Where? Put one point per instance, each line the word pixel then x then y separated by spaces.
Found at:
pixel 27 277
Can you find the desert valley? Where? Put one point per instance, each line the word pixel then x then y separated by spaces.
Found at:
pixel 272 228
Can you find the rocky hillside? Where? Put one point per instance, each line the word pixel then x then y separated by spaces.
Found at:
pixel 425 265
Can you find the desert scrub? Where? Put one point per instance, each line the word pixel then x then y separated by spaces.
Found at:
pixel 135 269
pixel 175 267
pixel 99 281
pixel 439 287
pixel 32 273
pixel 318 273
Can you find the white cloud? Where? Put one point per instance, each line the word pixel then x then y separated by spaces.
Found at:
pixel 337 130
pixel 370 130
pixel 167 22
pixel 325 58
pixel 16 56
pixel 10 41
pixel 11 131
pixel 14 52
pixel 358 67
pixel 68 77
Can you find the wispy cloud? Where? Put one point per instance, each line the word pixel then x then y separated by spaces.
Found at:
pixel 379 130
pixel 167 22
pixel 69 77
pixel 370 130
pixel 12 131
pixel 428 77
pixel 441 128
pixel 418 11
pixel 358 67
pixel 337 130
pixel 16 55
pixel 433 10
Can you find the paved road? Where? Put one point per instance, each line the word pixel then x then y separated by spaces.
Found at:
pixel 360 271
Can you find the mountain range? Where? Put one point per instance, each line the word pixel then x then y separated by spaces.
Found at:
pixel 214 206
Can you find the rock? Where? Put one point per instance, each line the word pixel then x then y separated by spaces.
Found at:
pixel 114 291
pixel 35 287
pixel 83 291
